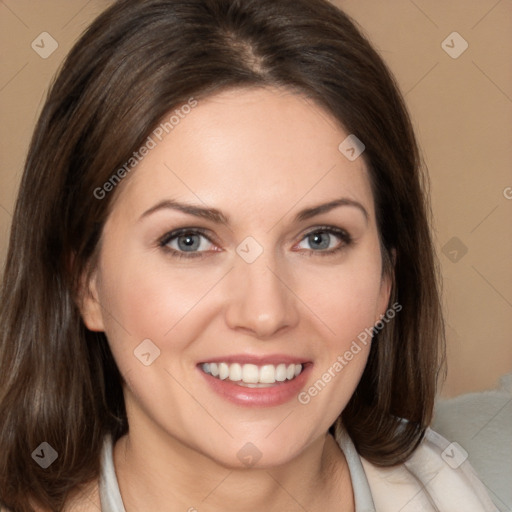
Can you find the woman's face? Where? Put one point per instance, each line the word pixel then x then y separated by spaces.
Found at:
pixel 244 245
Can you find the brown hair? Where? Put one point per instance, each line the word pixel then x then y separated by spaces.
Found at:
pixel 136 62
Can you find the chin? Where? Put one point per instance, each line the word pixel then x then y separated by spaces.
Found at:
pixel 263 453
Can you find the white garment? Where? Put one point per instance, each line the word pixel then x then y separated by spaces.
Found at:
pixel 430 481
pixel 111 501
pixel 436 478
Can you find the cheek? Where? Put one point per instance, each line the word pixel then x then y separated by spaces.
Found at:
pixel 345 299
pixel 159 302
pixel 346 304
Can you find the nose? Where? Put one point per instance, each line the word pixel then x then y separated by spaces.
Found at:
pixel 261 298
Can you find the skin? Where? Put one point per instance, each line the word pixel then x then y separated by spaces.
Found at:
pixel 259 156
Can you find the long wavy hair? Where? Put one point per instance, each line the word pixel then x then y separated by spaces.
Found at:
pixel 139 60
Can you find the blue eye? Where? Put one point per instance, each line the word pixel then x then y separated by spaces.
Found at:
pixel 185 243
pixel 194 243
pixel 322 240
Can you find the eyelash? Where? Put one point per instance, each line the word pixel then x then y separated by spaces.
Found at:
pixel 331 230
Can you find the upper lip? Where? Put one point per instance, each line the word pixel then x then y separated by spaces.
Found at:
pixel 274 359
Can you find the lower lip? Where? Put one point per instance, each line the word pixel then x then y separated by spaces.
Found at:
pixel 270 396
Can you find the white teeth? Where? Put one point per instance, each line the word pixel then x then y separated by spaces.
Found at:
pixel 235 372
pixel 251 374
pixel 223 371
pixel 281 372
pixel 214 369
pixel 267 374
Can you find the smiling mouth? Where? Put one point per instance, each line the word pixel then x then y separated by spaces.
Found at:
pixel 252 375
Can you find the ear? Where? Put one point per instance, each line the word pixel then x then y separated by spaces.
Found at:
pixel 89 303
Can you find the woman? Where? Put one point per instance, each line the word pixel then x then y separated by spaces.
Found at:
pixel 220 290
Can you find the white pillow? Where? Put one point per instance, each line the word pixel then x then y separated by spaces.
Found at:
pixel 482 424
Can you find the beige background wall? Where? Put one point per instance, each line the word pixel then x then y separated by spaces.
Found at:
pixel 462 110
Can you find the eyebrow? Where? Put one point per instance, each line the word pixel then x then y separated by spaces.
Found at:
pixel 307 213
pixel 211 214
pixel 217 217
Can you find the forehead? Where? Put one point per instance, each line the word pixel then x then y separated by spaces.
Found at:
pixel 260 151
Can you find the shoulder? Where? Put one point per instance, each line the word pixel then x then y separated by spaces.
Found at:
pixel 437 476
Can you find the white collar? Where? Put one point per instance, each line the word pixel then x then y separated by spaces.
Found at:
pixel 111 501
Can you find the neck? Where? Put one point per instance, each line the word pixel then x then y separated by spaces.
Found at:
pixel 158 472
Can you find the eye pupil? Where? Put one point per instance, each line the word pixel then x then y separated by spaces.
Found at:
pixel 187 242
pixel 316 239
